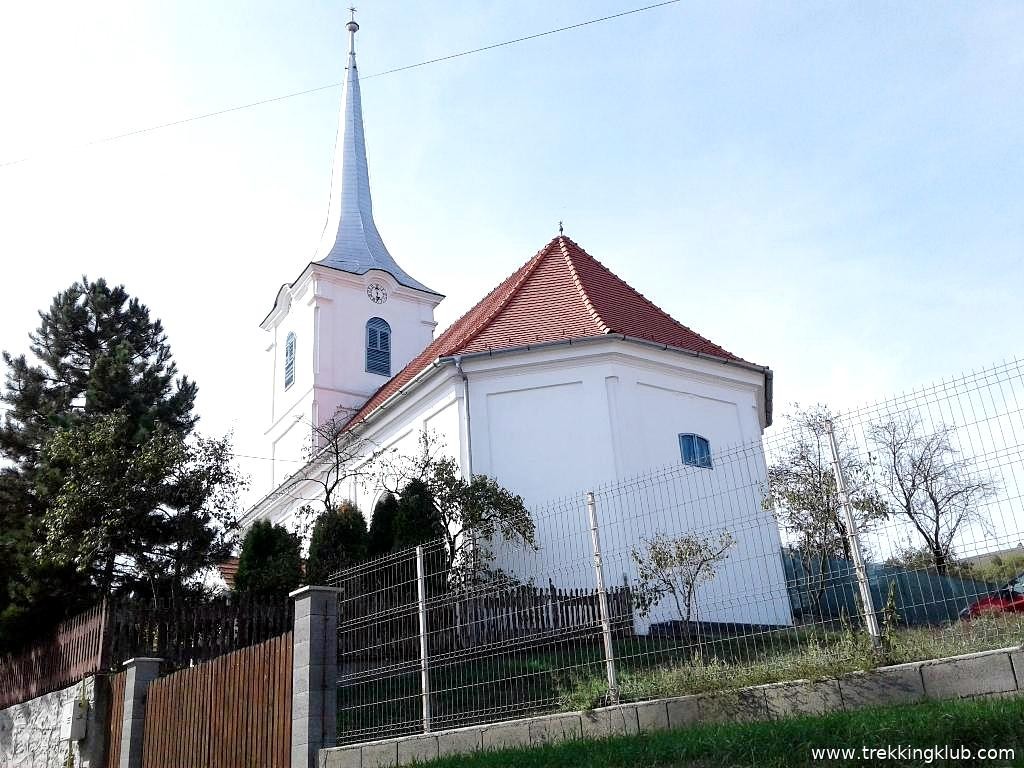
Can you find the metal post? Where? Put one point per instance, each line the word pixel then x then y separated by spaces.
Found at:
pixel 870 616
pixel 602 601
pixel 421 588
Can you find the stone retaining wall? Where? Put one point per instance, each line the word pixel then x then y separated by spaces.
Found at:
pixel 991 673
pixel 30 731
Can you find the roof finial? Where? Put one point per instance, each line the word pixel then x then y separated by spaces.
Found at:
pixel 559 227
pixel 352 28
pixel 350 240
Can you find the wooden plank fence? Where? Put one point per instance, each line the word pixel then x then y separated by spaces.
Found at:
pixel 115 693
pixel 232 712
pixel 105 636
pixel 73 651
pixel 188 635
pixel 383 624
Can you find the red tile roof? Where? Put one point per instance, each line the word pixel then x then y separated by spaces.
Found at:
pixel 561 293
pixel 228 571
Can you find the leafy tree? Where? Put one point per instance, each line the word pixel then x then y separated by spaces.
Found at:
pixel 34 593
pixel 339 541
pixel 927 482
pixel 270 564
pixel 1001 568
pixel 802 495
pixel 920 559
pixel 473 514
pixel 335 455
pixel 677 566
pixel 144 515
pixel 90 411
pixel 382 526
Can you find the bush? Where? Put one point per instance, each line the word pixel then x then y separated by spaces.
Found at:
pixel 270 565
pixel 416 519
pixel 381 539
pixel 339 541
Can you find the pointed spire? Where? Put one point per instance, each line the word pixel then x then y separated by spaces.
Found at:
pixel 350 241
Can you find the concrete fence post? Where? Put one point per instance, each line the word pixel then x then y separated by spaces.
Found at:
pixel 314 674
pixel 139 673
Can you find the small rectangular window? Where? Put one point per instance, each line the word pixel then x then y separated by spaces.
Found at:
pixel 289 360
pixel 695 450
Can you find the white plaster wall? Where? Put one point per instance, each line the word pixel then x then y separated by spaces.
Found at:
pixel 437 407
pixel 328 310
pixel 344 310
pixel 291 410
pixel 30 732
pixel 654 407
pixel 440 416
pixel 553 424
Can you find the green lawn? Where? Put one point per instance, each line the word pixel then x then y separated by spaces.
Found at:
pixel 956 724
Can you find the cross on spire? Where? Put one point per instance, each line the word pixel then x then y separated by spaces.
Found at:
pixel 352 28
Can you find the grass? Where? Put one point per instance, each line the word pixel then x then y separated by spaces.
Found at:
pixel 570 675
pixel 795 654
pixel 972 724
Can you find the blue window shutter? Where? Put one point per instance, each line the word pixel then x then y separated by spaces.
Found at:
pixel 703 451
pixel 378 346
pixel 686 449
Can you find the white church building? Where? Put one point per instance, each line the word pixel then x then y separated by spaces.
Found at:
pixel 560 379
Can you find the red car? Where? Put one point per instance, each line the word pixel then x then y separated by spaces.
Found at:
pixel 1009 599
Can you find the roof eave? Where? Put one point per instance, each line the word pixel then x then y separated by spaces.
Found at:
pixel 736 363
pixel 277 301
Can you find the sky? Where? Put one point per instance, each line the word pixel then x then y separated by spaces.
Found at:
pixel 835 190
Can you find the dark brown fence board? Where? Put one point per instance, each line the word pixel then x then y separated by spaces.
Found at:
pixel 219 714
pixel 70 653
pixel 115 695
pixel 108 634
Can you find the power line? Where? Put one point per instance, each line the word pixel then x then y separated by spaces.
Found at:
pixel 524 39
pixel 271 100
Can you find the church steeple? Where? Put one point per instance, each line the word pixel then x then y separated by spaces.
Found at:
pixel 350 241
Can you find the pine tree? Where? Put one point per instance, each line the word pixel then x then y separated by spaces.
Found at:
pixel 416 519
pixel 382 526
pixel 339 541
pixel 270 565
pixel 98 352
pixel 98 434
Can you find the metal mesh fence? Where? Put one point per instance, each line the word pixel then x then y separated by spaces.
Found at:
pixel 885 534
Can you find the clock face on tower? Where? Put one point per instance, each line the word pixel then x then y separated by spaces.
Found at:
pixel 377 293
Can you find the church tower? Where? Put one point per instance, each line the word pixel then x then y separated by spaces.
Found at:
pixel 353 318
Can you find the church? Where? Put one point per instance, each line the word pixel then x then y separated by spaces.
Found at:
pixel 560 379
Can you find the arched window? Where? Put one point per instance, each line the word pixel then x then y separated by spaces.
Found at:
pixel 289 360
pixel 378 346
pixel 695 450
